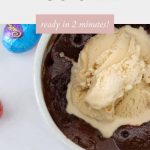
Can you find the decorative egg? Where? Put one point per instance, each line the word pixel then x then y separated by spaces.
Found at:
pixel 1 109
pixel 20 38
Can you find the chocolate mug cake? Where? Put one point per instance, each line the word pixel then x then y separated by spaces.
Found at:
pixel 56 75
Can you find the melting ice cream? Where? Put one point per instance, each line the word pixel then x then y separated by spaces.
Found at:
pixel 109 84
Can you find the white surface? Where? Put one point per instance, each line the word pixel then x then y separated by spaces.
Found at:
pixel 22 127
pixel 24 11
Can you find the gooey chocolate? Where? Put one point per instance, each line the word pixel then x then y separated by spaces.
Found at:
pixel 55 78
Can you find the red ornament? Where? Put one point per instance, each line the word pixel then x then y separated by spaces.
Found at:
pixel 1 109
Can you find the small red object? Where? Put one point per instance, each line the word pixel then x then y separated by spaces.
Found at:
pixel 1 109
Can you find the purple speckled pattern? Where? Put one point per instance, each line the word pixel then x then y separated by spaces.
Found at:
pixel 13 31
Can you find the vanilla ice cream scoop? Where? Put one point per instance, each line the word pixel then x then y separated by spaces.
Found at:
pixel 109 84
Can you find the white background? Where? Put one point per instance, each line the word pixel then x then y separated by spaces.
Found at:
pixel 125 11
pixel 22 127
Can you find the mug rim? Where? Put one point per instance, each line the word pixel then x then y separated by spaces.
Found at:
pixel 37 72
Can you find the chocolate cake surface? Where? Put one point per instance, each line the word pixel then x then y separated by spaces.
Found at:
pixel 55 78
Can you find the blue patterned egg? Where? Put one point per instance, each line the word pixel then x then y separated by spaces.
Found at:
pixel 20 38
